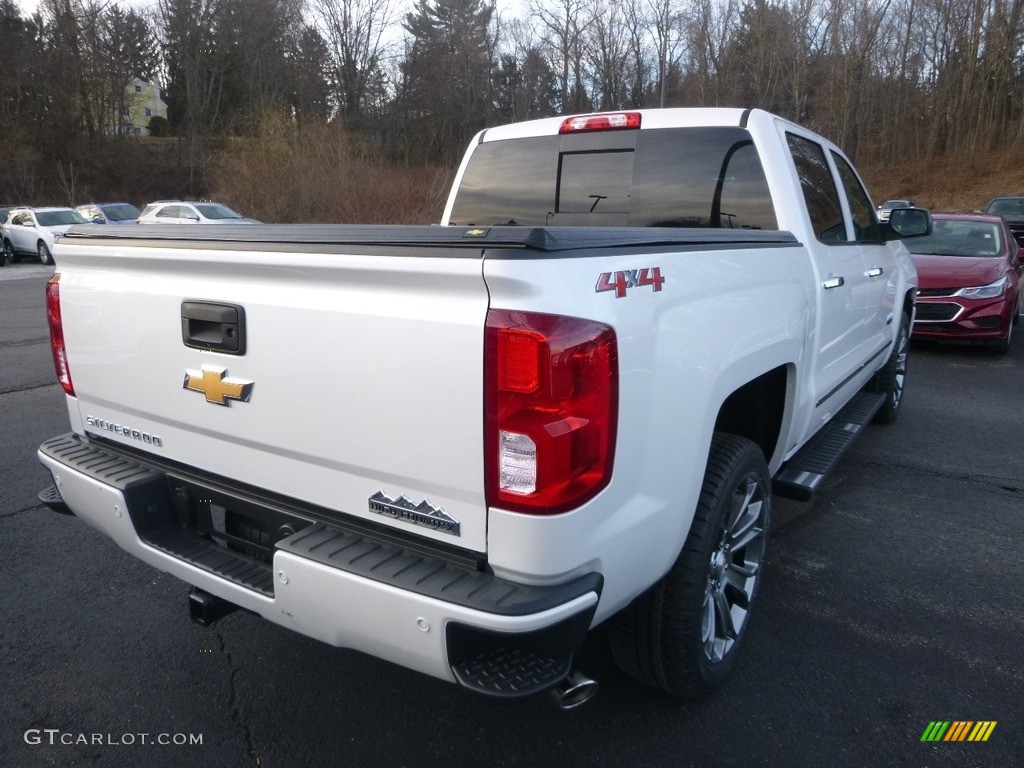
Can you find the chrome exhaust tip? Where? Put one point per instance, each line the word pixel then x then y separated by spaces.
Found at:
pixel 573 691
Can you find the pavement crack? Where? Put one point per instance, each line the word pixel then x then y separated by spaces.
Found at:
pixel 33 388
pixel 24 342
pixel 234 700
pixel 22 511
pixel 1000 482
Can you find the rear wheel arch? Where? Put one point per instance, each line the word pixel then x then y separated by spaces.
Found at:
pixel 757 410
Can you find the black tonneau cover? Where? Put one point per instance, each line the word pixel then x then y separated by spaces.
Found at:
pixel 325 237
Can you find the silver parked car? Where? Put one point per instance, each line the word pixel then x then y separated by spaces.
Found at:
pixel 190 212
pixel 887 207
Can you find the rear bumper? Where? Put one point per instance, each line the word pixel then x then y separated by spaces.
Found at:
pixel 346 588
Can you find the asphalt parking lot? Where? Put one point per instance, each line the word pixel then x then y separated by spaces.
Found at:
pixel 894 599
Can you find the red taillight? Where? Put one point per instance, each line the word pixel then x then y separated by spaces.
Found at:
pixel 551 400
pixel 610 121
pixel 60 355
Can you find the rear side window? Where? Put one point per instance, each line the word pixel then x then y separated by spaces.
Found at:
pixel 864 225
pixel 819 189
pixel 672 177
pixel 169 212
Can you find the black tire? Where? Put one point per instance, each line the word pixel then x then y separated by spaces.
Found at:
pixel 44 253
pixel 1002 346
pixel 684 634
pixel 891 380
pixel 9 252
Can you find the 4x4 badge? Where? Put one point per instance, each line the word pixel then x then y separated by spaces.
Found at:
pixel 217 388
pixel 623 280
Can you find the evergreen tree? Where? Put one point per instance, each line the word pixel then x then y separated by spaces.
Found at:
pixel 446 89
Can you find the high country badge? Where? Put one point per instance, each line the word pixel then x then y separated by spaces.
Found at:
pixel 424 513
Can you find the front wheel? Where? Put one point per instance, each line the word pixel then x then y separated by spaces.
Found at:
pixel 1002 346
pixel 891 380
pixel 44 253
pixel 9 254
pixel 684 634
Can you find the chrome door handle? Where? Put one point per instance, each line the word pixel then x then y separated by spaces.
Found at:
pixel 833 282
pixel 874 272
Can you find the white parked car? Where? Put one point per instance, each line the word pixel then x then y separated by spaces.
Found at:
pixel 189 212
pixel 33 231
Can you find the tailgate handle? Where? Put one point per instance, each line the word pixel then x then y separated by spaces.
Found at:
pixel 213 327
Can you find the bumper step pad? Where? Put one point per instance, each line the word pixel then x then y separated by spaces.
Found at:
pixel 511 672
pixel 803 474
pixel 203 553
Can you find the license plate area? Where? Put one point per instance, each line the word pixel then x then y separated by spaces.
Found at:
pixel 236 524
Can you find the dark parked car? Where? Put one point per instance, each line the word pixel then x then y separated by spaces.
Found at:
pixel 109 213
pixel 1011 208
pixel 969 276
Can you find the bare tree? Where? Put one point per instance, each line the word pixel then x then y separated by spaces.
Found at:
pixel 563 23
pixel 607 48
pixel 525 84
pixel 357 34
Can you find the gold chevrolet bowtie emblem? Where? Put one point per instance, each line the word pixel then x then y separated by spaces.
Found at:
pixel 218 389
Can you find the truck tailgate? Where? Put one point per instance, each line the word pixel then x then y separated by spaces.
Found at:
pixel 360 381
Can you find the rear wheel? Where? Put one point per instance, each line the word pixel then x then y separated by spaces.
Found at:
pixel 44 253
pixel 9 254
pixel 891 380
pixel 684 634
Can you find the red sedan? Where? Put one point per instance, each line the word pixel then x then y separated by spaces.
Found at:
pixel 969 279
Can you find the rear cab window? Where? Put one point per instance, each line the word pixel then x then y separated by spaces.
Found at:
pixel 666 177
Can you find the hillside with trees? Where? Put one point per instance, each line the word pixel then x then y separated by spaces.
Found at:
pixel 346 110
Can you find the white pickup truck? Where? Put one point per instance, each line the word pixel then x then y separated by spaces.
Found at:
pixel 461 447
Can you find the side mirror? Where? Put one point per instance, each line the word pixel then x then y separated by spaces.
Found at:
pixel 908 222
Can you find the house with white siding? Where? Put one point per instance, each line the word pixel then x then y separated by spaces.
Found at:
pixel 142 103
